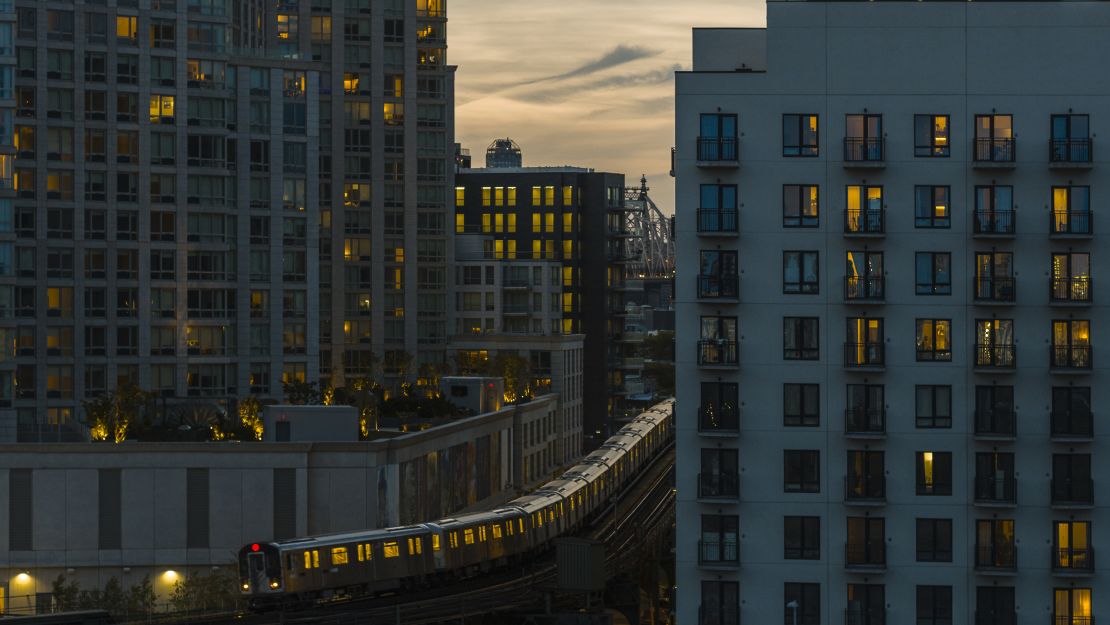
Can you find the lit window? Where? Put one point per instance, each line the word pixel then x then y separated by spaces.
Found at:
pixel 454 536
pixel 435 542
pixel 161 109
pixel 460 223
pixel 460 196
pixel 308 560
pixel 482 534
pixel 568 222
pixel 549 222
pixel 486 194
pixel 468 536
pixel 549 196
pixel 127 29
pixel 568 196
pixel 339 556
pixel 496 529
pixel 391 549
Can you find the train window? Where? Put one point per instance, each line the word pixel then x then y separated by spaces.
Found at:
pixel 361 553
pixel 520 524
pixel 415 548
pixel 509 528
pixel 391 549
pixel 482 534
pixel 454 536
pixel 315 559
pixel 289 561
pixel 539 519
pixel 338 556
pixel 468 536
pixel 496 529
pixel 435 542
pixel 307 560
pixel 572 504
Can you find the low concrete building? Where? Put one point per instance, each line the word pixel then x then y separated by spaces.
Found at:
pixel 310 424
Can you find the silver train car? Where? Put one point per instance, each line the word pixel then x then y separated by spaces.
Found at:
pixel 351 564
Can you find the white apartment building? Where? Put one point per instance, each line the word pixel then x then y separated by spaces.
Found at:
pixel 885 315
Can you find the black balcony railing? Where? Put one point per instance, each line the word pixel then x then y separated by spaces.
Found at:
pixel 715 552
pixel 864 221
pixel 864 354
pixel 995 150
pixel 1072 423
pixel 1071 222
pixel 718 286
pixel 717 220
pixel 718 485
pixel 984 617
pixel 1070 151
pixel 1070 289
pixel 1073 560
pixel 994 489
pixel 857 288
pixel 718 615
pixel 995 290
pixel 716 418
pixel 997 422
pixel 865 487
pixel 861 615
pixel 866 554
pixel 999 555
pixel 718 149
pixel 995 355
pixel 1072 619
pixel 1073 491
pixel 863 149
pixel 994 221
pixel 718 352
pixel 1070 356
pixel 862 420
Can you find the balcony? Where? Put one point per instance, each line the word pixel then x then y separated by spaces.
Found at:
pixel 718 554
pixel 864 355
pixel 718 615
pixel 1072 425
pixel 717 419
pixel 864 616
pixel 1070 358
pixel 993 357
pixel 864 290
pixel 862 422
pixel 994 153
pixel 865 489
pixel 996 558
pixel 718 287
pixel 1072 492
pixel 1071 224
pixel 723 152
pixel 869 556
pixel 864 153
pixel 718 353
pixel 1070 290
pixel 865 222
pixel 996 491
pixel 999 424
pixel 717 222
pixel 1072 561
pixel 516 283
pixel 516 310
pixel 994 223
pixel 996 618
pixel 995 290
pixel 1071 619
pixel 719 486
pixel 1070 153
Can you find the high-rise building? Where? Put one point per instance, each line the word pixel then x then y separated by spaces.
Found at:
pixel 212 197
pixel 885 315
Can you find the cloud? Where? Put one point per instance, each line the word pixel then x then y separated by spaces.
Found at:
pixel 560 94
pixel 617 56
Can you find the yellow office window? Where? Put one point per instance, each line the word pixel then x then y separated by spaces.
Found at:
pixel 549 196
pixel 549 222
pixel 549 248
pixel 537 196
pixel 568 249
pixel 536 223
pixel 486 196
pixel 485 222
pixel 510 223
pixel 568 276
pixel 511 249
pixel 499 196
pixel 511 200
pixel 460 197
pixel 339 556
pixel 537 248
pixel 568 302
pixel 499 249
pixel 568 222
pixel 568 196
pixel 460 223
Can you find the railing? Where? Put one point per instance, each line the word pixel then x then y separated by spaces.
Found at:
pixel 1000 556
pixel 862 288
pixel 1070 356
pixel 718 420
pixel 864 221
pixel 718 352
pixel 861 615
pixel 711 286
pixel 995 423
pixel 719 553
pixel 1071 619
pixel 994 221
pixel 860 420
pixel 1070 151
pixel 718 615
pixel 1072 423
pixel 863 149
pixel 994 150
pixel 868 554
pixel 996 490
pixel 996 618
pixel 1073 491
pixel 1070 289
pixel 718 485
pixel 717 220
pixel 865 487
pixel 993 355
pixel 718 149
pixel 864 354
pixel 995 289
pixel 1079 560
pixel 1071 222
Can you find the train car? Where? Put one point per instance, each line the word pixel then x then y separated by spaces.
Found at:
pixel 542 517
pixel 571 490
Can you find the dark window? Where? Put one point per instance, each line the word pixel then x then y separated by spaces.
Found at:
pixel 718 138
pixel 800 206
pixel 934 472
pixel 934 605
pixel 866 541
pixel 932 206
pixel 801 537
pixel 720 603
pixel 800 339
pixel 934 406
pixel 866 478
pixel 1071 411
pixel 801 470
pixel 720 474
pixel 719 407
pixel 800 273
pixel 934 540
pixel 994 410
pixel 807 596
pixel 285 503
pixel 720 539
pixel 994 605
pixel 717 212
pixel 934 273
pixel 718 277
pixel 196 509
pixel 994 477
pixel 1071 479
pixel 994 210
pixel 931 136
pixel 799 135
pixel 110 510
pixel 801 404
pixel 933 338
pixel 866 605
pixel 717 344
pixel 1071 139
pixel 863 137
pixel 865 409
pixel 995 544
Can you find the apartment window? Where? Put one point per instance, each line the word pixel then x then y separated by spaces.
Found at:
pixel 932 206
pixel 1071 546
pixel 718 342
pixel 994 343
pixel 866 478
pixel 994 544
pixel 934 472
pixel 863 276
pixel 719 410
pixel 1071 344
pixel 1072 606
pixel 994 605
pixel 863 137
pixel 801 471
pixel 933 406
pixel 934 540
pixel 994 138
pixel 717 212
pixel 801 537
pixel 864 346
pixel 720 603
pixel 801 405
pixel 866 605
pixel 1071 412
pixel 865 409
pixel 994 210
pixel 994 478
pixel 800 338
pixel 866 541
pixel 800 206
pixel 807 598
pixel 933 340
pixel 719 277
pixel 931 136
pixel 799 135
pixel 934 605
pixel 1071 277
pixel 934 273
pixel 720 474
pixel 994 276
pixel 718 138
pixel 1071 479
pixel 720 539
pixel 800 273
pixel 1071 139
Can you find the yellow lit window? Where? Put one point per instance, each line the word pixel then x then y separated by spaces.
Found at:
pixel 536 223
pixel 486 196
pixel 551 515
pixel 485 222
pixel 361 553
pixel 508 528
pixel 460 223
pixel 549 196
pixel 549 248
pixel 568 196
pixel 568 249
pixel 127 28
pixel 460 196
pixel 391 549
pixel 549 222
pixel 510 224
pixel 468 536
pixel 511 201
pixel 537 196
pixel 398 282
pixel 537 248
pixel 482 534
pixel 568 276
pixel 499 196
pixel 454 536
pixel 499 222
pixel 539 519
pixel 498 249
pixel 308 560
pixel 510 252
pixel 338 556
pixel 568 222
pixel 350 82
pixel 435 542
pixel 161 108
pixel 496 530
pixel 520 525
pixel 395 85
pixel 414 546
pixel 393 112
pixel 568 326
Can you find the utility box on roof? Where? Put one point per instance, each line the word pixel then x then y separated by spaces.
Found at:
pixel 479 394
pixel 580 564
pixel 310 424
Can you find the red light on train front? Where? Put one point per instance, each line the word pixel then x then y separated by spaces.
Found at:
pixel 256 547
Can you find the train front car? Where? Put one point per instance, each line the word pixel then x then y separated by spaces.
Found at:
pixel 260 575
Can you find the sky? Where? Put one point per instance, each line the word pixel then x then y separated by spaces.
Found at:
pixel 588 83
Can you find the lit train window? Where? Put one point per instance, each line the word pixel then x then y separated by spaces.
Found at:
pixel 415 548
pixel 482 534
pixel 520 524
pixel 307 560
pixel 551 514
pixel 468 536
pixel 361 553
pixel 315 559
pixel 435 542
pixel 338 556
pixel 391 549
pixel 496 528
pixel 454 540
pixel 572 504
pixel 509 528
pixel 539 519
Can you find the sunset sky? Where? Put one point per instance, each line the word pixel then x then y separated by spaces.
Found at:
pixel 580 82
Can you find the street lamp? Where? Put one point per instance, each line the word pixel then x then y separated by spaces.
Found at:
pixel 793 605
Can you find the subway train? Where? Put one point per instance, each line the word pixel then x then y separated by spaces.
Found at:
pixel 350 564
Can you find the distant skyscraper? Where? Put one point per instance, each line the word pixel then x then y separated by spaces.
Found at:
pixel 503 153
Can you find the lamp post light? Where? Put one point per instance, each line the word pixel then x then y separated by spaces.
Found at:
pixel 793 605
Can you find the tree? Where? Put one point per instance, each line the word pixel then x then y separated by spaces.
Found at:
pixel 517 373
pixel 205 591
pixel 112 414
pixel 301 393
pixel 250 416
